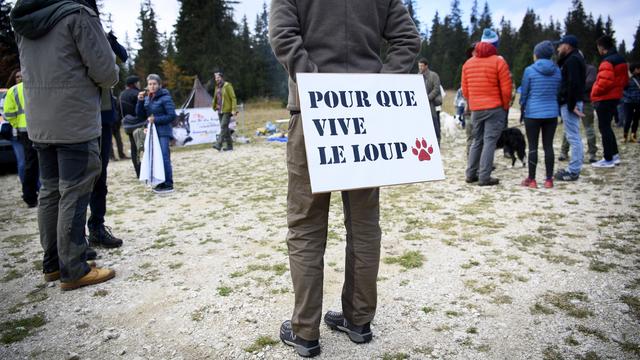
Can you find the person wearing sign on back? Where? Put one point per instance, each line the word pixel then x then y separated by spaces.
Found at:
pixel 334 36
pixel 487 85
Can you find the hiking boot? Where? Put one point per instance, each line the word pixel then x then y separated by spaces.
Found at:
pixel 304 348
pixel 530 183
pixel 490 182
pixel 626 138
pixel 227 149
pixel 633 138
pixel 471 180
pixel 358 334
pixel 55 275
pixel 163 189
pixel 565 175
pixel 217 147
pixel 548 184
pixel 604 164
pixel 592 159
pixel 563 157
pixel 91 254
pixel 616 159
pixel 103 237
pixel 94 276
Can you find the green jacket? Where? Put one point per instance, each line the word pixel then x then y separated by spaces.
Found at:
pixel 229 102
pixel 14 107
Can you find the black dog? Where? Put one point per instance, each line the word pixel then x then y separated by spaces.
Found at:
pixel 512 141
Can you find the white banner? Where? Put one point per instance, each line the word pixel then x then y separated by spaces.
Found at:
pixel 196 126
pixel 367 130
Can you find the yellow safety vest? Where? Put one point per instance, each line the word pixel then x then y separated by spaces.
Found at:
pixel 14 107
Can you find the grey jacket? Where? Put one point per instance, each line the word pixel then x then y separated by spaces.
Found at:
pixel 341 36
pixel 432 83
pixel 64 63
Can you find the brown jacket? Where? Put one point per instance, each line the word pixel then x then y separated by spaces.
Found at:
pixel 341 36
pixel 63 67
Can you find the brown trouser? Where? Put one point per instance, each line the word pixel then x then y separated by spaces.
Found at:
pixel 307 218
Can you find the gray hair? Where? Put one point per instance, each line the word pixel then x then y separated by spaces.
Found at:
pixel 155 77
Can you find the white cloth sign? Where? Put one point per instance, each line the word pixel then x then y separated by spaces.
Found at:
pixel 367 130
pixel 199 125
pixel 152 165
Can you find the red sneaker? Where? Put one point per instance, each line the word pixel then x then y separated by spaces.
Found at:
pixel 548 184
pixel 526 182
pixel 533 184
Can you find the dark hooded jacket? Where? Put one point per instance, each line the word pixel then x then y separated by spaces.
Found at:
pixel 573 70
pixel 65 59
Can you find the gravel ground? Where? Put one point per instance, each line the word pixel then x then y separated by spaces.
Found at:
pixel 467 273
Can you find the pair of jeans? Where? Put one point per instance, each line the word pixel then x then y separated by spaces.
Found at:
pixel 18 150
pixel 30 184
pixel 534 128
pixel 571 123
pixel 68 173
pixel 98 203
pixel 589 132
pixel 632 116
pixel 225 132
pixel 307 219
pixel 165 142
pixel 487 127
pixel 606 110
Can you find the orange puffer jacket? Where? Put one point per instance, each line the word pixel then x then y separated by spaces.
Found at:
pixel 613 76
pixel 486 81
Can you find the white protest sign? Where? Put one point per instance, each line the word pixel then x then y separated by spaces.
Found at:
pixel 201 124
pixel 367 130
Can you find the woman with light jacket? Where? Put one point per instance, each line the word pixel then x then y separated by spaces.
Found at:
pixel 156 106
pixel 539 99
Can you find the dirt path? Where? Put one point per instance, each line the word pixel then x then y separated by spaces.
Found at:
pixel 467 273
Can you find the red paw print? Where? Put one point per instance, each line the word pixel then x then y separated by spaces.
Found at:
pixel 421 151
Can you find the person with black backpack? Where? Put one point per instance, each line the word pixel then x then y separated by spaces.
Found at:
pixel 130 122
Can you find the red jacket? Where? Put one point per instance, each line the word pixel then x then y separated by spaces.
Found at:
pixel 486 81
pixel 613 76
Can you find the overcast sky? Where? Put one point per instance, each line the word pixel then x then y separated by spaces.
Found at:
pixel 624 13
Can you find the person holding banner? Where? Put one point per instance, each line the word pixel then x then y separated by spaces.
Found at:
pixel 156 106
pixel 334 37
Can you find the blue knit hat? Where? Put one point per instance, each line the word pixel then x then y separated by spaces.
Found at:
pixel 543 50
pixel 490 36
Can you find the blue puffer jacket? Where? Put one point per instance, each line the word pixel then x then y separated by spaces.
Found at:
pixel 540 86
pixel 632 91
pixel 163 110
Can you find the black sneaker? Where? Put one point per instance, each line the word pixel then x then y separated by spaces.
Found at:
pixel 91 254
pixel 104 237
pixel 562 157
pixel 592 159
pixel 358 334
pixel 304 348
pixel 227 149
pixel 564 175
pixel 471 180
pixel 490 182
pixel 163 189
pixel 217 147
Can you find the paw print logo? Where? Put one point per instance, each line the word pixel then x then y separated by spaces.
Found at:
pixel 421 151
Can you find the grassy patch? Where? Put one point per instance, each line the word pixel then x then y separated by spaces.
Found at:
pixel 551 353
pixel 630 347
pixel 394 356
pixel 11 275
pixel 472 330
pixel 175 266
pixel 100 293
pixel 16 330
pixel 569 303
pixel 428 309
pixel 198 315
pixel 592 332
pixel 600 266
pixel 408 260
pixel 483 289
pixel 633 302
pixel 502 299
pixel 470 264
pixel 539 309
pixel 224 290
pixel 571 341
pixel 261 343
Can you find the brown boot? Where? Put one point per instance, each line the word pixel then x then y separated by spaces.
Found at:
pixel 633 138
pixel 94 276
pixel 53 276
pixel 625 138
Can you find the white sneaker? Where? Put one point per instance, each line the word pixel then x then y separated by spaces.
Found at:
pixel 603 164
pixel 616 159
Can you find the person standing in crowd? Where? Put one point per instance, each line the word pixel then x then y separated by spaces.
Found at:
pixel 128 101
pixel 117 135
pixel 64 40
pixel 225 103
pixel 539 100
pixel 310 36
pixel 587 120
pixel 570 98
pixel 432 83
pixel 613 76
pixel 631 98
pixel 460 103
pixel 487 85
pixel 14 113
pixel 99 234
pixel 157 108
pixel 18 149
pixel 471 52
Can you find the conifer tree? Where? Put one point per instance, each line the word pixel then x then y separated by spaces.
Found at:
pixel 149 57
pixel 8 48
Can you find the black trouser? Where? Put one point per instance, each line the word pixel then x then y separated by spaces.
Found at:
pixel 548 129
pixel 606 110
pixel 436 125
pixel 98 202
pixel 134 155
pixel 632 116
pixel 30 183
pixel 116 134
